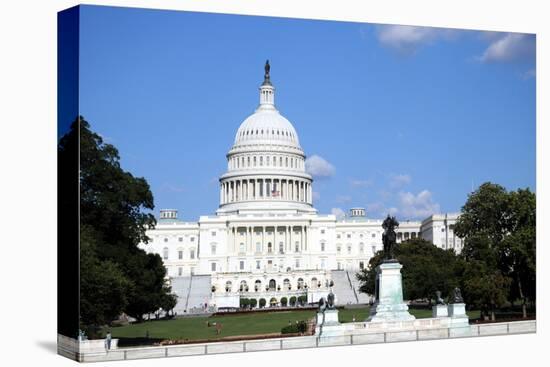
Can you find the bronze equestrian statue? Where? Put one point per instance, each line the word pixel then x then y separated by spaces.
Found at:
pixel 389 238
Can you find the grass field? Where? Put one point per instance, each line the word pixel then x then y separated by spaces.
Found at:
pixel 193 328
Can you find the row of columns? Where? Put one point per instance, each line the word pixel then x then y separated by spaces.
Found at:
pixel 288 237
pixel 265 188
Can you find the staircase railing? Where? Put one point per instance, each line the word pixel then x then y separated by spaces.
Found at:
pixel 188 292
pixel 352 287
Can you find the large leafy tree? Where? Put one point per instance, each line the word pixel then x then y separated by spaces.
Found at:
pixel 499 228
pixel 116 275
pixel 426 269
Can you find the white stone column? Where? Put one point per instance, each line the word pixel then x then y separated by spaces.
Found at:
pixel 264 250
pixel 301 239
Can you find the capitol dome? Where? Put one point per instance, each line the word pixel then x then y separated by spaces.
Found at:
pixel 267 126
pixel 266 164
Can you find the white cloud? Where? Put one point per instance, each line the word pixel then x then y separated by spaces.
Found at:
pixel 397 181
pixel 417 206
pixel 318 167
pixel 510 47
pixel 342 199
pixel 360 183
pixel 407 39
pixel 173 188
pixel 316 195
pixel 529 74
pixel 338 212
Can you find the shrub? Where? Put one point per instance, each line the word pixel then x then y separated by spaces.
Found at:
pixel 299 327
pixel 253 302
pixel 292 301
pixel 262 302
pixel 244 302
pixel 284 301
pixel 302 300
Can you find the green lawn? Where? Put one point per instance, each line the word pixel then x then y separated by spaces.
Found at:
pixel 194 328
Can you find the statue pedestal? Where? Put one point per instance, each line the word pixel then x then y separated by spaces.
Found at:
pixel 440 311
pixel 389 305
pixel 457 313
pixel 328 324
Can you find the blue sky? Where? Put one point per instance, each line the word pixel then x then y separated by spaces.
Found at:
pixel 397 119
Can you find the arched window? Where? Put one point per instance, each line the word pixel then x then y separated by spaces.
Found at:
pixel 314 283
pixel 228 286
pixel 300 283
pixel 257 285
pixel 272 285
pixel 243 287
pixel 165 253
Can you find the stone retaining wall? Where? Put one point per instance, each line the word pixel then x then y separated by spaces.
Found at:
pixel 69 347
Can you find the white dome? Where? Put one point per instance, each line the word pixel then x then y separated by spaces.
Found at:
pixel 267 126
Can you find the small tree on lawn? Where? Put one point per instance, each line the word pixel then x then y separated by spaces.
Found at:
pixel 244 302
pixel 262 302
pixel 284 301
pixel 253 302
pixel 292 301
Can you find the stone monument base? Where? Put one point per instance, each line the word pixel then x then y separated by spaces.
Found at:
pixel 328 324
pixel 389 305
pixel 440 311
pixel 457 313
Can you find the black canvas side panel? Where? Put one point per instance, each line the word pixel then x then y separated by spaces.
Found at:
pixel 67 174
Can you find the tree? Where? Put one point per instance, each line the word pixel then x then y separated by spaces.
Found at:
pixel 262 302
pixel 292 300
pixel 114 217
pixel 103 286
pixel 426 269
pixel 499 228
pixel 244 302
pixel 168 301
pixel 284 301
pixel 253 302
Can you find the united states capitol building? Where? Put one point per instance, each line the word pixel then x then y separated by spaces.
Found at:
pixel 266 239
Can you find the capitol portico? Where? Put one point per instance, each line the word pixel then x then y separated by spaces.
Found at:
pixel 266 239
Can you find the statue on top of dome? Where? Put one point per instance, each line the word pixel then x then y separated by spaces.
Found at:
pixel 267 68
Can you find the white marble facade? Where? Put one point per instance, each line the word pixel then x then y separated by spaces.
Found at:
pixel 266 228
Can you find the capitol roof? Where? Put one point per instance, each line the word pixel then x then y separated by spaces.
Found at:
pixel 266 126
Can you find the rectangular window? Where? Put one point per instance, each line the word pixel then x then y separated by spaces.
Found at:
pixel 258 247
pixel 180 239
pixel 241 265
pixel 213 234
pixel 192 239
pixel 258 263
pixel 297 263
pixel 192 254
pixel 213 266
pixel 322 231
pixel 180 271
pixel 180 255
